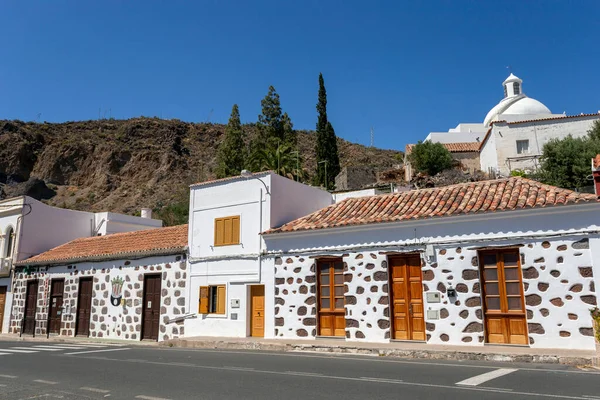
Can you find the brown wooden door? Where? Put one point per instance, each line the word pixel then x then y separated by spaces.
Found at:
pixel 30 307
pixel 2 304
pixel 56 303
pixel 332 321
pixel 505 317
pixel 257 323
pixel 84 307
pixel 151 307
pixel 408 320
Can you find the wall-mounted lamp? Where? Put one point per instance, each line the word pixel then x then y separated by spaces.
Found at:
pixel 249 175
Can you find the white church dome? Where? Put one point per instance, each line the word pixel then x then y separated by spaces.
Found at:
pixel 515 102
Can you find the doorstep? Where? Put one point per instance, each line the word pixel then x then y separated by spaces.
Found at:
pixel 400 349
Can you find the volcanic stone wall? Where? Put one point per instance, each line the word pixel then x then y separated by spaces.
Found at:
pixel 557 281
pixel 123 321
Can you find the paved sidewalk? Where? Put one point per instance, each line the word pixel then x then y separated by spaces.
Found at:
pixel 399 349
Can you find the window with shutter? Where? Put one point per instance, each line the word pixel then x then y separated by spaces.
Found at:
pixel 212 300
pixel 227 231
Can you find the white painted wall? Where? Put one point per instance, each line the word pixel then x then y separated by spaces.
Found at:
pixel 487 155
pixel 108 223
pixel 337 197
pixel 240 266
pixel 454 137
pixel 537 132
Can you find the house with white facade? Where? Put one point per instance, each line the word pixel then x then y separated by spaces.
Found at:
pixel 29 227
pixel 513 132
pixel 508 261
pixel 230 286
pixel 129 286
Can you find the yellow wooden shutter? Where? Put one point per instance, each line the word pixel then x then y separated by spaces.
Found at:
pixel 219 232
pixel 227 230
pixel 203 300
pixel 221 300
pixel 235 230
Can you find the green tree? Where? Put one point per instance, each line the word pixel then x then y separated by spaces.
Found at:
pixel 328 160
pixel 232 152
pixel 566 162
pixel 289 136
pixel 279 158
pixel 270 121
pixel 430 158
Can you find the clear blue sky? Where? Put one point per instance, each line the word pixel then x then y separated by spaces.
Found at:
pixel 405 68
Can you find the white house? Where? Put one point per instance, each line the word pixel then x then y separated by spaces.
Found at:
pixel 508 261
pixel 513 132
pixel 29 227
pixel 230 289
pixel 129 286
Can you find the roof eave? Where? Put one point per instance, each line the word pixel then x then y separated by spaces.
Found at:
pixel 130 255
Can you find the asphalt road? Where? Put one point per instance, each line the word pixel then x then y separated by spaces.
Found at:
pixel 34 370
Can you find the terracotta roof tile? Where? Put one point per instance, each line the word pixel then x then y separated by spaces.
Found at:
pixel 147 242
pixel 463 199
pixel 465 147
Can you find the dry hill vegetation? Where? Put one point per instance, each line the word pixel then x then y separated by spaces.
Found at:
pixel 123 165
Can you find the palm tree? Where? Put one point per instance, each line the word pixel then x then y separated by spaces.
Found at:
pixel 279 158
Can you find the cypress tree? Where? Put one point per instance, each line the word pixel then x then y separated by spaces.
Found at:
pixel 326 147
pixel 270 122
pixel 232 153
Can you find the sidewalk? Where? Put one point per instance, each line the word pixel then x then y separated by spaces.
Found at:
pixel 399 349
pixel 336 346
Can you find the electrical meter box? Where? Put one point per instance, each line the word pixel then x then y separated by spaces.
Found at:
pixel 433 297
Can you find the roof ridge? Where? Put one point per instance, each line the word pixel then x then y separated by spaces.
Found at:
pixel 138 232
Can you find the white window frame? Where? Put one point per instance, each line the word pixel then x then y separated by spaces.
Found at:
pixel 520 149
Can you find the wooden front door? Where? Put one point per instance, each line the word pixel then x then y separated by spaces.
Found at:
pixel 56 303
pixel 2 304
pixel 408 322
pixel 257 299
pixel 332 321
pixel 84 307
pixel 505 317
pixel 30 307
pixel 151 307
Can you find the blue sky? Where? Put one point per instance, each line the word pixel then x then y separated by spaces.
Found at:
pixel 404 68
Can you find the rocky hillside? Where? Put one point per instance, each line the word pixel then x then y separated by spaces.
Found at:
pixel 123 165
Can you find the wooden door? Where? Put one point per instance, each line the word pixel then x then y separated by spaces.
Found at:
pixel 2 304
pixel 151 307
pixel 84 307
pixel 504 306
pixel 257 322
pixel 56 303
pixel 30 307
pixel 332 321
pixel 408 322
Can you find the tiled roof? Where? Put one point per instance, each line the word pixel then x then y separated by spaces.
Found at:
pixel 463 199
pixel 231 178
pixel 453 147
pixel 487 135
pixel 119 245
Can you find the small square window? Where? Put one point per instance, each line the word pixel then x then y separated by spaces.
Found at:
pixel 516 88
pixel 522 146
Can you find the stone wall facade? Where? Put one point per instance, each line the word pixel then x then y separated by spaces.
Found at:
pixel 123 321
pixel 558 289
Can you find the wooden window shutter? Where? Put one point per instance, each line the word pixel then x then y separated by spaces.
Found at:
pixel 235 230
pixel 227 230
pixel 203 300
pixel 219 232
pixel 221 300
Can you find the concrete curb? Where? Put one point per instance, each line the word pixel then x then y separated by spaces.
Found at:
pixel 384 352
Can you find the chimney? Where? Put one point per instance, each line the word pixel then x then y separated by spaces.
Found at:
pixel 596 174
pixel 147 213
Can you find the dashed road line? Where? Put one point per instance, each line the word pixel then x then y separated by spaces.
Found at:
pixel 150 397
pixel 8 376
pixel 384 380
pixel 5 354
pixel 55 346
pixel 238 368
pixel 95 390
pixel 96 351
pixel 488 376
pixel 19 351
pixel 44 381
pixel 299 373
pixel 40 348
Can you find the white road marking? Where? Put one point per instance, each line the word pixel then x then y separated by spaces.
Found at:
pixel 2 385
pixel 91 389
pixel 95 351
pixel 40 348
pixel 488 376
pixel 302 373
pixel 371 379
pixel 19 351
pixel 8 376
pixel 56 346
pixel 150 397
pixel 5 354
pixel 237 368
pixel 46 382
